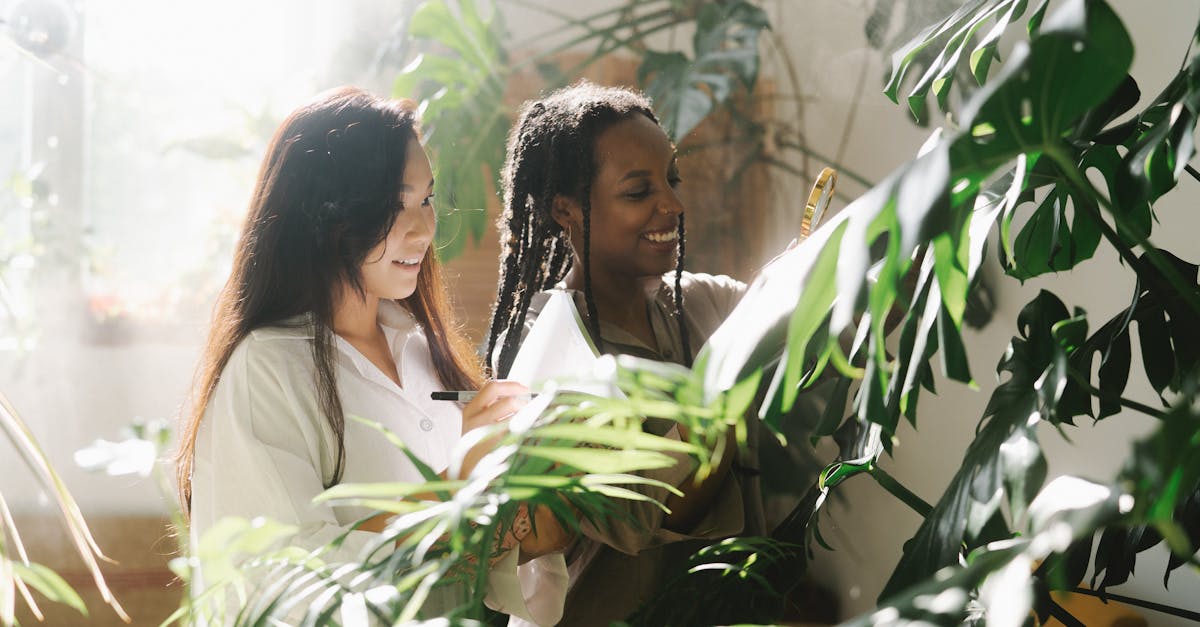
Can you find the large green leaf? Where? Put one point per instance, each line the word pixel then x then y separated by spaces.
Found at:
pixel 1183 324
pixel 1164 471
pixel 1004 451
pixel 50 584
pixel 937 51
pixel 753 337
pixel 942 70
pixel 727 35
pixel 1168 335
pixel 1062 231
pixel 683 92
pixel 1077 59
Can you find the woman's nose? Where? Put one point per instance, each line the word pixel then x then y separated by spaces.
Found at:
pixel 424 225
pixel 671 204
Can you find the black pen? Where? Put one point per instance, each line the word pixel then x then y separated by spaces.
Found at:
pixel 465 396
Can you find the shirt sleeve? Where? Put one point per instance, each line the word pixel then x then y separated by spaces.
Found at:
pixel 265 450
pixel 709 299
pixel 533 593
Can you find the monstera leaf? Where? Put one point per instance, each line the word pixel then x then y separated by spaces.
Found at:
pixel 995 585
pixel 1161 140
pixel 1005 452
pixel 1153 497
pixel 1165 468
pixel 954 34
pixel 932 202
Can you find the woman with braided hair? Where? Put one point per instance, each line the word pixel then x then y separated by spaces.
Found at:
pixel 335 308
pixel 591 207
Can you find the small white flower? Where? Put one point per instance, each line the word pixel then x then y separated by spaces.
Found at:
pixel 127 457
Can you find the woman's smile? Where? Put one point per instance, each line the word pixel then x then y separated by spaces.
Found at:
pixel 410 264
pixel 665 240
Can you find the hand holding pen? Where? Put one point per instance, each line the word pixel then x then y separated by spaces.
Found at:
pixel 495 402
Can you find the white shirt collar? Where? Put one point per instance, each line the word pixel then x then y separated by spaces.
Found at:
pixel 399 326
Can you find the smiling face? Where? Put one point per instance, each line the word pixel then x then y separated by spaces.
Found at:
pixel 635 207
pixel 392 266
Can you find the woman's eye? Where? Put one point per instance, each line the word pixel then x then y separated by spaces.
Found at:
pixel 674 181
pixel 639 194
pixel 428 202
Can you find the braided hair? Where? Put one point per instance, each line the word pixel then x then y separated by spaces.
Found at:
pixel 551 152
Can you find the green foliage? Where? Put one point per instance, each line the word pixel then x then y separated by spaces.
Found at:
pixel 17 573
pixel 1029 136
pixel 1023 143
pixel 742 569
pixel 465 121
pixel 581 451
pixel 725 49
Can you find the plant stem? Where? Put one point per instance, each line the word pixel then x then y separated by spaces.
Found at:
pixel 583 22
pixel 794 78
pixel 793 170
pixel 1078 377
pixel 1066 618
pixel 850 117
pixel 842 171
pixel 1150 605
pixel 889 483
pixel 1190 170
pixel 1065 164
pixel 601 51
pixel 602 34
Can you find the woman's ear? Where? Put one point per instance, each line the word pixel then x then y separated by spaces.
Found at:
pixel 566 212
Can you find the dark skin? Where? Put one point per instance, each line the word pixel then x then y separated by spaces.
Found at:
pixel 635 211
pixel 633 203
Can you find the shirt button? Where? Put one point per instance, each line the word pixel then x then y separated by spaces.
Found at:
pixel 426 424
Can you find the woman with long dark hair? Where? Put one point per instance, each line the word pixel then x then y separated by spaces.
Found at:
pixel 335 308
pixel 591 207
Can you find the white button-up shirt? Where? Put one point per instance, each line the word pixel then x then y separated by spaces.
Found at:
pixel 264 448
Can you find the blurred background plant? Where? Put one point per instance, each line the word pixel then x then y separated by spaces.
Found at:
pixel 18 256
pixel 19 575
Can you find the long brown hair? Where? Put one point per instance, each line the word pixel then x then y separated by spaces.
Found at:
pixel 327 193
